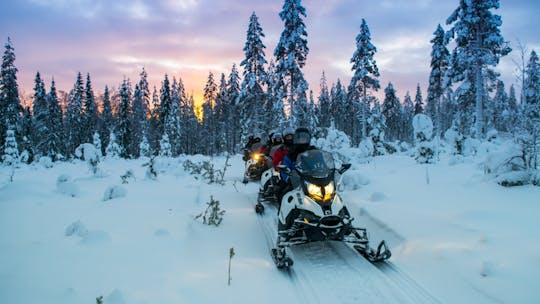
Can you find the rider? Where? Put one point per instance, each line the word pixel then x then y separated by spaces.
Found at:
pixel 301 143
pixel 280 153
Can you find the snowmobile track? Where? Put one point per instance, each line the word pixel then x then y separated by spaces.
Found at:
pixel 319 268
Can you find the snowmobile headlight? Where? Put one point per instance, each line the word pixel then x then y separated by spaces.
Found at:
pixel 256 156
pixel 321 193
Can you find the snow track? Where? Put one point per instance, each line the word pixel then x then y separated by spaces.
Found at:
pixel 336 273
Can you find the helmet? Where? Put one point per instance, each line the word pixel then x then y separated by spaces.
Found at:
pixel 302 136
pixel 288 135
pixel 277 138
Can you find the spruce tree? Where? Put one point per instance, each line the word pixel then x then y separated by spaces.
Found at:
pixel 479 44
pixel 107 119
pixel 10 104
pixel 165 104
pixel 172 122
pixel 324 116
pixel 124 128
pixel 291 53
pixel 91 114
pixel 391 110
pixel 10 155
pixel 140 110
pixel 208 135
pixel 406 129
pixel 418 101
pixel 366 73
pixel 74 116
pixel 55 138
pixel 233 127
pixel 40 109
pixel 439 65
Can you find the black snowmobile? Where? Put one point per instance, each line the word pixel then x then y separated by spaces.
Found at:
pixel 256 164
pixel 312 211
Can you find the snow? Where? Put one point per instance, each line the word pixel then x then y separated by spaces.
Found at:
pixel 462 237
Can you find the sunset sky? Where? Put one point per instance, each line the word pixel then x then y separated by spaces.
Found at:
pixel 189 38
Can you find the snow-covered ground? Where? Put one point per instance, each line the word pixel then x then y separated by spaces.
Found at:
pixel 452 230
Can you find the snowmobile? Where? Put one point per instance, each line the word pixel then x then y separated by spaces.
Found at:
pixel 255 166
pixel 312 210
pixel 267 189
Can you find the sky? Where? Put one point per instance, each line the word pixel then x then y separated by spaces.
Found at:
pixel 191 38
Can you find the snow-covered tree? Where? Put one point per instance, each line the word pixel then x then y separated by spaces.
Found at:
pixel 140 110
pixel 233 93
pixel 440 57
pixel 74 118
pixel 55 137
pixel 530 137
pixel 324 116
pixel 391 110
pixel 144 148
pixel 172 122
pixel 479 44
pixel 107 119
pixel 10 104
pixel 165 146
pixel 406 129
pixel 208 135
pixel 97 143
pixel 291 53
pixel 124 128
pixel 90 113
pixel 113 150
pixel 10 156
pixel 366 73
pixel 418 101
pixel 378 124
pixel 423 131
pixel 40 131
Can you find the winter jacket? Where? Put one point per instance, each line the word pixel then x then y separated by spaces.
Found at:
pixel 279 155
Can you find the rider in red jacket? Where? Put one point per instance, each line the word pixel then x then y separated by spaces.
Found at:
pixel 280 153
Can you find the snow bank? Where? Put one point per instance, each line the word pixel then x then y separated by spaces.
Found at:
pixel 66 186
pixel 113 192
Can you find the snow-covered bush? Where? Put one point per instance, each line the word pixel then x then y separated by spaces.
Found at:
pixel 113 192
pixel 90 154
pixel 11 152
pixel 423 131
pixel 127 177
pixel 205 170
pixel 378 124
pixel 455 140
pixel 144 148
pixel 77 229
pixel 366 148
pixel 213 215
pixel 97 143
pixel 66 186
pixel 46 162
pixel 354 180
pixel 336 142
pixel 506 164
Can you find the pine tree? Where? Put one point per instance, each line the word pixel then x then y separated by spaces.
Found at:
pixel 153 132
pixel 324 116
pixel 10 104
pixel 10 155
pixel 113 150
pixel 531 112
pixel 144 148
pixel 91 114
pixel 208 135
pixel 124 128
pixel 55 137
pixel 391 110
pixel 165 105
pixel 291 53
pixel 233 127
pixel 418 102
pixel 499 113
pixel 252 98
pixel 479 44
pixel 377 125
pixel 406 130
pixel 439 65
pixel 26 145
pixel 221 111
pixel 107 119
pixel 40 131
pixel 339 100
pixel 140 109
pixel 172 122
pixel 74 116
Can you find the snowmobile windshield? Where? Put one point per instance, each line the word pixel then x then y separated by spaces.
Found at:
pixel 315 163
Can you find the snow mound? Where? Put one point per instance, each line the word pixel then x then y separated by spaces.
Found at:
pixel 487 269
pixel 66 186
pixel 46 162
pixel 423 124
pixel 115 297
pixel 354 180
pixel 114 192
pixel 161 232
pixel 77 228
pixel 377 197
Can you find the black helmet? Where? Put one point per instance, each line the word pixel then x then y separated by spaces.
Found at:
pixel 288 135
pixel 302 136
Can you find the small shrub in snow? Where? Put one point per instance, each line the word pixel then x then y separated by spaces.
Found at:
pixel 99 300
pixel 127 177
pixel 151 172
pixel 114 192
pixel 65 185
pixel 213 215
pixel 205 170
pixel 506 164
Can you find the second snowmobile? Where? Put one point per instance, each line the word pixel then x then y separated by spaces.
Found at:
pixel 313 211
